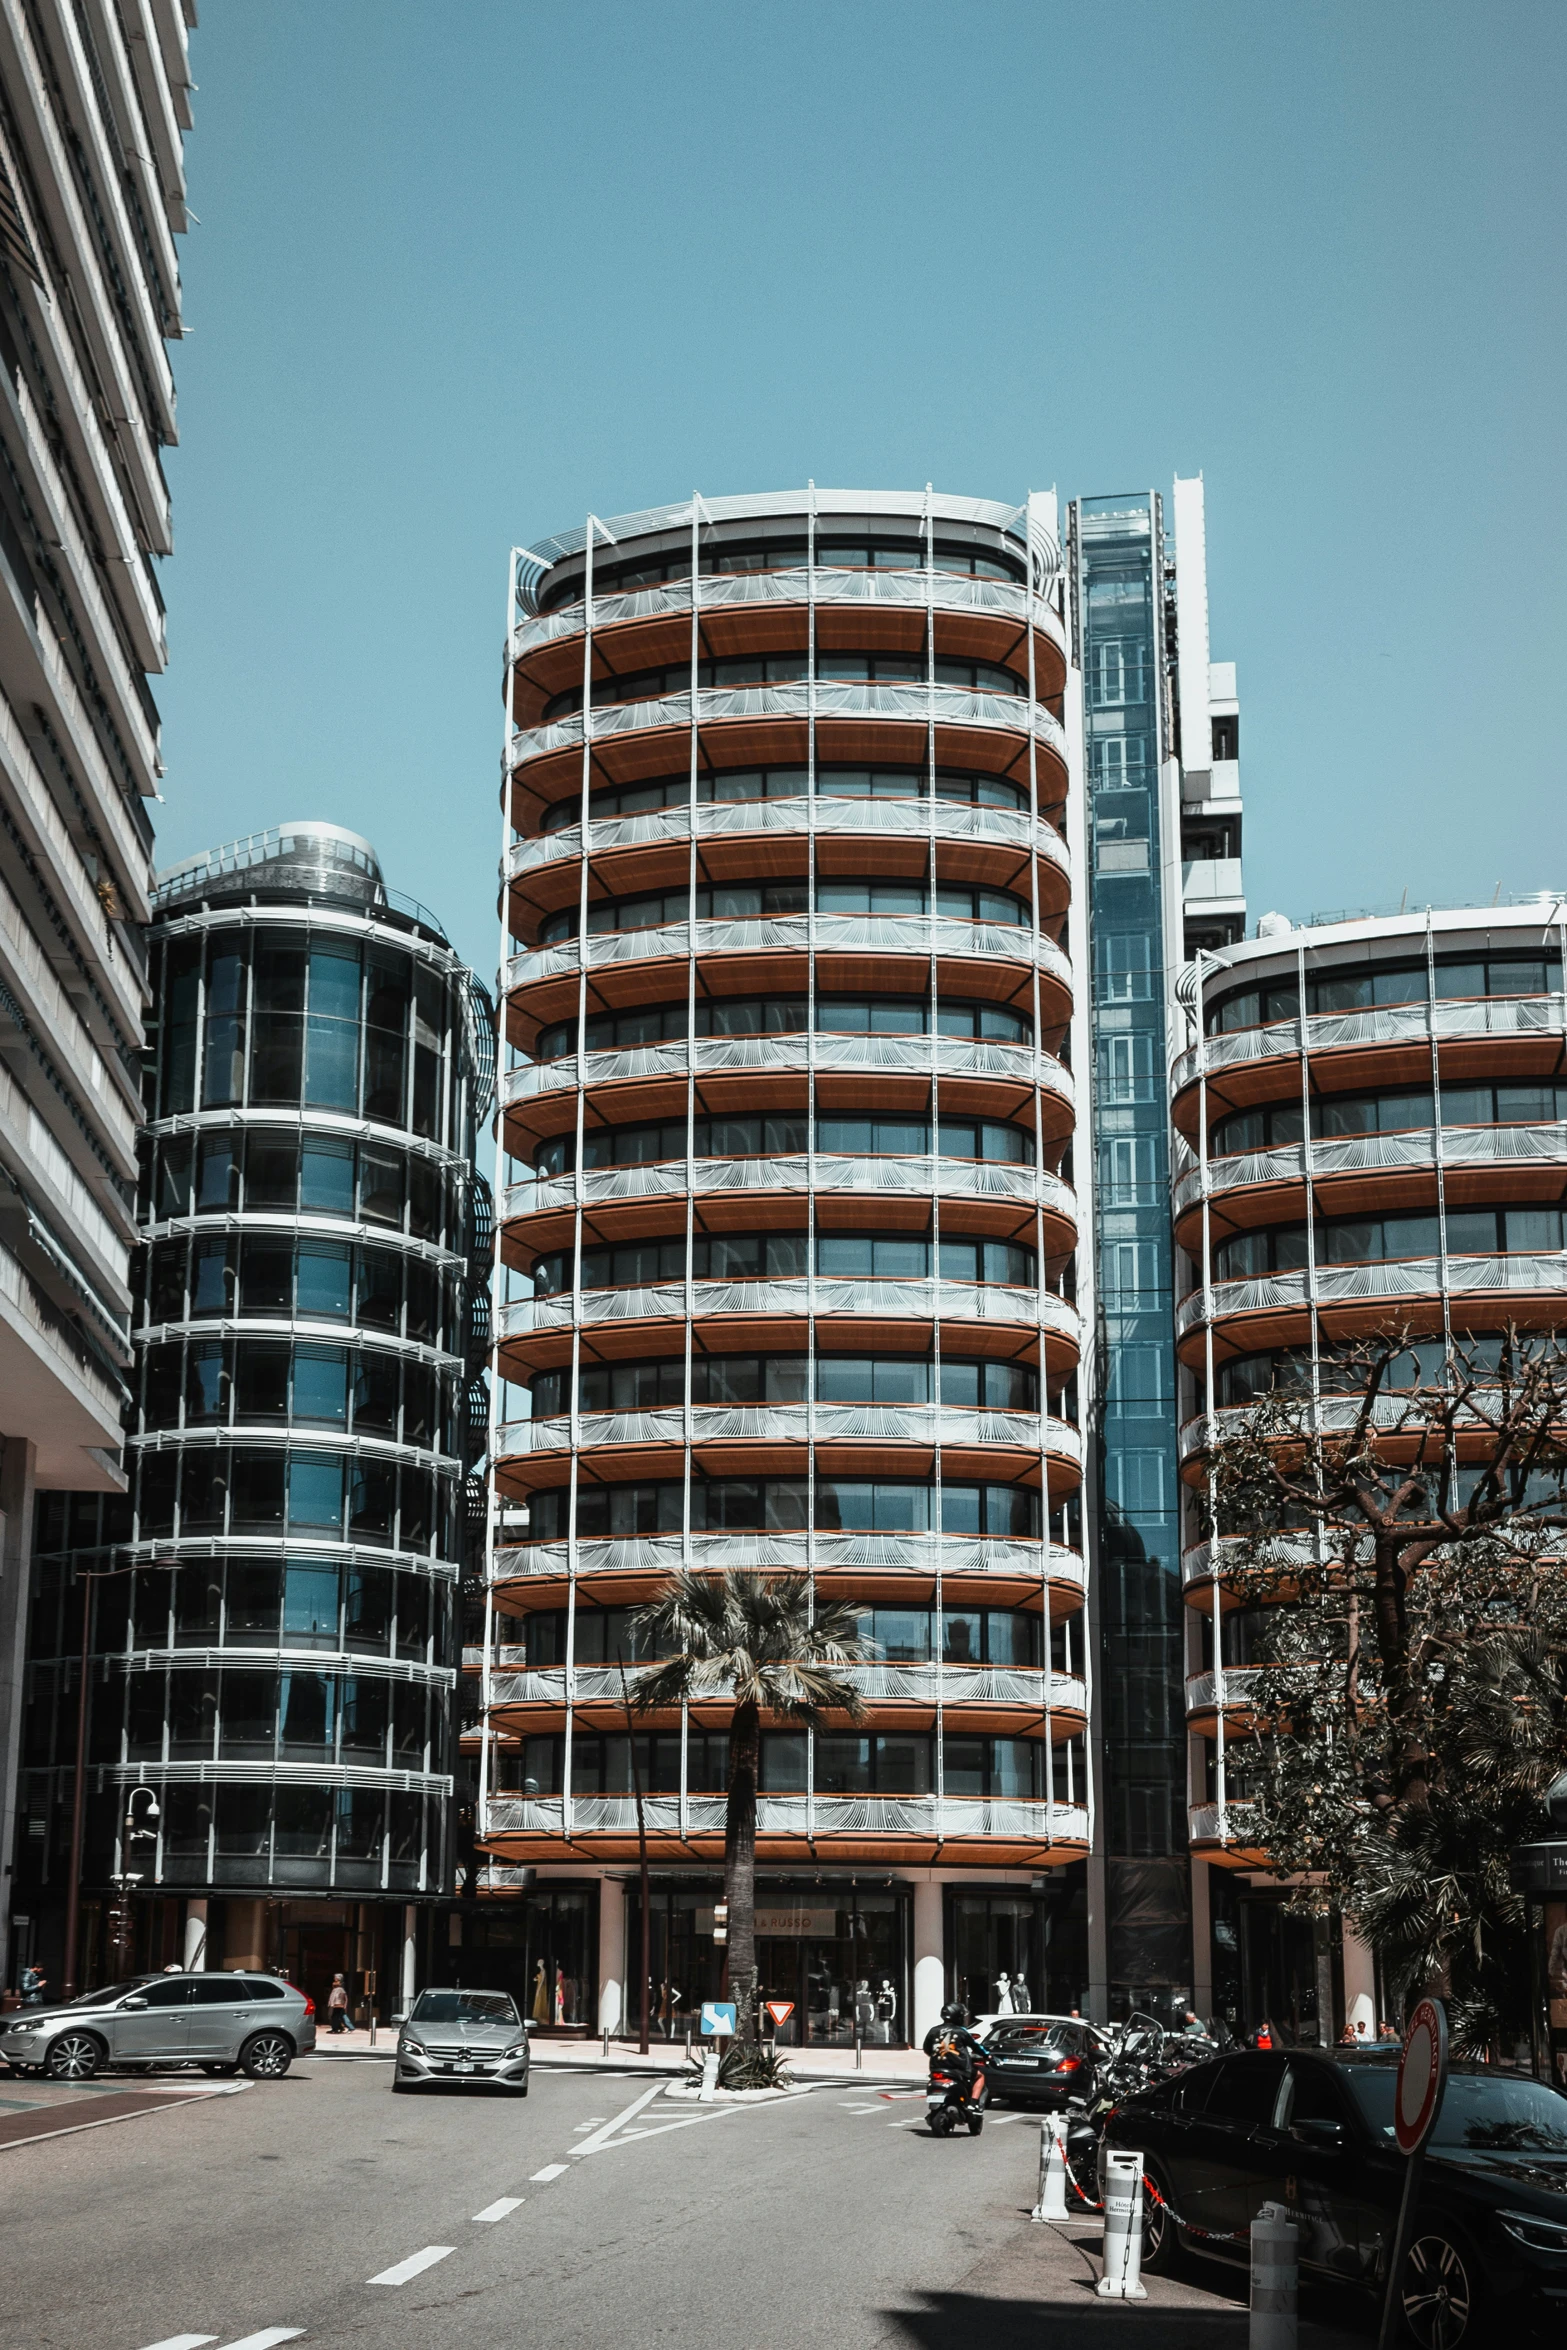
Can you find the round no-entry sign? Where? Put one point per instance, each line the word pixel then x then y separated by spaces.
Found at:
pixel 1422 2076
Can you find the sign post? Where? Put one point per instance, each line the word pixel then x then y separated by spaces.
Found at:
pixel 1417 2100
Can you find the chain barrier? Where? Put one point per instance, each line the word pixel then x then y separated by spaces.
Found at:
pixel 1213 2235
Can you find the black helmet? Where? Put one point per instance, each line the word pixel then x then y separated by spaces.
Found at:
pixel 954 2012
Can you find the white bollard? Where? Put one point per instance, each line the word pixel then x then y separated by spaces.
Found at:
pixel 709 2088
pixel 1123 2238
pixel 1275 2249
pixel 1052 2169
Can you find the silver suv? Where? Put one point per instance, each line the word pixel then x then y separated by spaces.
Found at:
pixel 225 2023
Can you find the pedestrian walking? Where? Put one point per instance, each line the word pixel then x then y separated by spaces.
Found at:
pixel 33 1981
pixel 337 2005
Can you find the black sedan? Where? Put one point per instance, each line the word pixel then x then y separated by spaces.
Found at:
pixel 1313 2129
pixel 1041 2060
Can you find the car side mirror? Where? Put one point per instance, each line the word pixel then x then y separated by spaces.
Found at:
pixel 1318 2133
pixel 530 2024
pixel 401 2017
pixel 124 2003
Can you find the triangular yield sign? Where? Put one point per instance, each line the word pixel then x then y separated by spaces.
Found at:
pixel 780 2010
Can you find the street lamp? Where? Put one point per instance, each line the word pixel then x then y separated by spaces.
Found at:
pixel 125 1881
pixel 73 1893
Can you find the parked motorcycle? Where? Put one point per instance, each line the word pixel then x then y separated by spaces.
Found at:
pixel 1140 2054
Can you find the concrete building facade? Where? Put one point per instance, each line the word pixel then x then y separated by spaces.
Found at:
pixel 94 104
pixel 789 1235
pixel 1370 1135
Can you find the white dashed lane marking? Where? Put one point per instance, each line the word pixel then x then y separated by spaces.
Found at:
pixel 413 2266
pixel 267 2338
pixel 551 2170
pixel 183 2342
pixel 501 2209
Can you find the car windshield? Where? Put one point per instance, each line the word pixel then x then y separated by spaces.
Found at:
pixel 1488 2116
pixel 463 2007
pixel 1033 2037
pixel 110 1992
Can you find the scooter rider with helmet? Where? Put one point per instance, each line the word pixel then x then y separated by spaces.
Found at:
pixel 952 2046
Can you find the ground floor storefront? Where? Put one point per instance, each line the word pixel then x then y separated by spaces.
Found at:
pixel 844 1957
pixel 382 1949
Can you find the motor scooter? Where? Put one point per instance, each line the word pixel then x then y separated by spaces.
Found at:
pixel 955 2093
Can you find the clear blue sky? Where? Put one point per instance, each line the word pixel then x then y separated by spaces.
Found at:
pixel 465 271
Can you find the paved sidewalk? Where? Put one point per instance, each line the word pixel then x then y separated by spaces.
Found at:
pixel 878 2066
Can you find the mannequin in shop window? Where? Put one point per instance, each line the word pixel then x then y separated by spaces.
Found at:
pixel 1003 1994
pixel 1020 1999
pixel 541 1995
pixel 886 2012
pixel 864 2009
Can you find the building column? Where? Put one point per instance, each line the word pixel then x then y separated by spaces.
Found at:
pixel 410 1983
pixel 1360 1986
pixel 1202 1941
pixel 195 1954
pixel 245 1936
pixel 614 1973
pixel 930 1964
pixel 18 1469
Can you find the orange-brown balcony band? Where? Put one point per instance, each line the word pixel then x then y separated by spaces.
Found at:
pixel 548 774
pixel 626 642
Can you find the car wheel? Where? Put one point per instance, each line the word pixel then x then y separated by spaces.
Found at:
pixel 1161 2244
pixel 267 2056
pixel 1438 2290
pixel 74 2056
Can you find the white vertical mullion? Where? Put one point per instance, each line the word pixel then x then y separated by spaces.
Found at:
pixel 1035 950
pixel 572 1546
pixel 810 1113
pixel 492 1499
pixel 937 1533
pixel 1210 1402
pixel 689 1290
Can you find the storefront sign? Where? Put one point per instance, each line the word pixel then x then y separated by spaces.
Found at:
pixel 779 1924
pixel 1540 1868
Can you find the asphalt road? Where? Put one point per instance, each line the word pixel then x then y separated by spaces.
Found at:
pixel 323 2209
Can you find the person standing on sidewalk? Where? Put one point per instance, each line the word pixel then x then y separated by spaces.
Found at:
pixel 337 2004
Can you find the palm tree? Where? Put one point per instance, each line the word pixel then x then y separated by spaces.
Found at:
pixel 759 1640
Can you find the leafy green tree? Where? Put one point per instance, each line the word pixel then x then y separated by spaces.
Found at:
pixel 1401 1539
pixel 763 1642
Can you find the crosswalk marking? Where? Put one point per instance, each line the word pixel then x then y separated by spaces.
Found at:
pixel 183 2342
pixel 502 2208
pixel 265 2340
pixel 413 2266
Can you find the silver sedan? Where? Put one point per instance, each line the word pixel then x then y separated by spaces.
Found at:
pixel 224 2023
pixel 462 2036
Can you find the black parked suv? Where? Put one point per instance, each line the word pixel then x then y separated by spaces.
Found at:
pixel 1313 2129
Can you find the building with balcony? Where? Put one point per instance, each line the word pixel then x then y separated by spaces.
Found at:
pixel 788 1231
pixel 1370 1135
pixel 94 104
pixel 272 1638
pixel 1162 754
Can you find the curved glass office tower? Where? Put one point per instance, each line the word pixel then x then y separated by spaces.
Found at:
pixel 278 1669
pixel 1369 1135
pixel 788 1230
